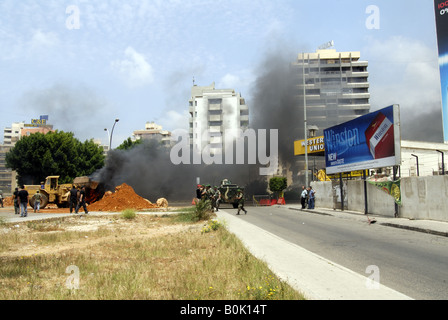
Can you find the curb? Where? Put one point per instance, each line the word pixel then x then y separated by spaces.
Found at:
pixel 386 224
pixel 429 231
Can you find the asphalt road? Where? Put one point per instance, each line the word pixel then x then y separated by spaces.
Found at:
pixel 412 263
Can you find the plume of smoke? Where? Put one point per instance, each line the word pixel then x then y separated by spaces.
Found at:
pixel 148 169
pixel 273 105
pixel 75 109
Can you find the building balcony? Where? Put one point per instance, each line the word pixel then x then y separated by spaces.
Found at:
pixel 353 74
pixel 244 118
pixel 356 95
pixel 214 107
pixel 215 118
pixel 358 84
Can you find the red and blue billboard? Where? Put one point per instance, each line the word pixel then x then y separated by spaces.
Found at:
pixel 441 8
pixel 368 142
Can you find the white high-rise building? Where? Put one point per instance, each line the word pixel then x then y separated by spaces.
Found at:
pixel 12 134
pixel 213 113
pixel 336 86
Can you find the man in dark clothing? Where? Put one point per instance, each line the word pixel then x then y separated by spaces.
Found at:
pixel 73 199
pixel 82 201
pixel 23 201
pixel 240 198
pixel 15 197
pixel 199 192
pixel 304 197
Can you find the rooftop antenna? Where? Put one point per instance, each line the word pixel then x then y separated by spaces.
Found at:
pixel 193 82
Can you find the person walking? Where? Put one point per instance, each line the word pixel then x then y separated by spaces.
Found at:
pixel 1 198
pixel 82 201
pixel 303 197
pixel 217 198
pixel 23 197
pixel 240 198
pixel 312 197
pixel 37 197
pixel 73 199
pixel 15 197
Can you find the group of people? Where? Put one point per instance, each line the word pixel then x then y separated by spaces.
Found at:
pixel 307 197
pixel 208 193
pixel 78 199
pixel 204 193
pixel 21 198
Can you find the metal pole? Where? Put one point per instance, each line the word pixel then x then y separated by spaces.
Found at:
pixel 418 170
pixel 304 120
pixel 111 133
pixel 443 162
pixel 364 177
pixel 341 186
pixel 395 179
pixel 108 135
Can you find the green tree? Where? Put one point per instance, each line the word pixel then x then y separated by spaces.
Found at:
pixel 38 155
pixel 277 185
pixel 129 144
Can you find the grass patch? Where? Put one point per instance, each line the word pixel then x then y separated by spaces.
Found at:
pixel 152 258
pixel 128 214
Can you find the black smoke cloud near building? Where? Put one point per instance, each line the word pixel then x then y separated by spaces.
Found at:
pixel 150 171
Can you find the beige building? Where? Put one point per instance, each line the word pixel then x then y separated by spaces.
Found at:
pixel 10 137
pixel 153 131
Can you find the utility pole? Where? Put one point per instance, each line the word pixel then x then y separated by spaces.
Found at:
pixel 304 120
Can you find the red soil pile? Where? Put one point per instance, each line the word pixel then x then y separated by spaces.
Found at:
pixel 123 198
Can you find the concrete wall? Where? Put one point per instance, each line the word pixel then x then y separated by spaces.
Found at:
pixel 422 198
pixel 425 198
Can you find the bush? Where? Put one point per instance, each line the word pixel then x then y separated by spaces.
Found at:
pixel 128 214
pixel 203 211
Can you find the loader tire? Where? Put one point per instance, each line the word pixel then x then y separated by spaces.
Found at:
pixel 43 201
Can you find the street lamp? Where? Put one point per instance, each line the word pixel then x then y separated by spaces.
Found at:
pixel 304 120
pixel 111 133
pixel 443 162
pixel 108 136
pixel 418 173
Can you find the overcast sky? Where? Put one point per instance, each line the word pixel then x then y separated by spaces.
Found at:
pixel 85 63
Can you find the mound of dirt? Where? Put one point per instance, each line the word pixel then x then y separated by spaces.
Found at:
pixel 123 198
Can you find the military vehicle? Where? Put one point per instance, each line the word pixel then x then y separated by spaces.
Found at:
pixel 228 192
pixel 54 193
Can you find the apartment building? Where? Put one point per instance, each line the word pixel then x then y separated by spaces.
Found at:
pixel 153 131
pixel 213 113
pixel 335 84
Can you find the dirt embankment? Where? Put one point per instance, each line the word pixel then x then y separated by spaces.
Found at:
pixel 123 197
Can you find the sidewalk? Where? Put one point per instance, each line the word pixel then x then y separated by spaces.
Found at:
pixel 439 228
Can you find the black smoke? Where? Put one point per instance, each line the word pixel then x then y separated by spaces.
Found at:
pixel 148 168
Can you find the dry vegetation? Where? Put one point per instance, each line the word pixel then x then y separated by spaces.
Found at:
pixel 146 257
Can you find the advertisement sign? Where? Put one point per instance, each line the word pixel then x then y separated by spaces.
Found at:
pixel 315 145
pixel 441 12
pixel 368 142
pixel 390 187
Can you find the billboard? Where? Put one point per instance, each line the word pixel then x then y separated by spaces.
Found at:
pixel 368 142
pixel 441 11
